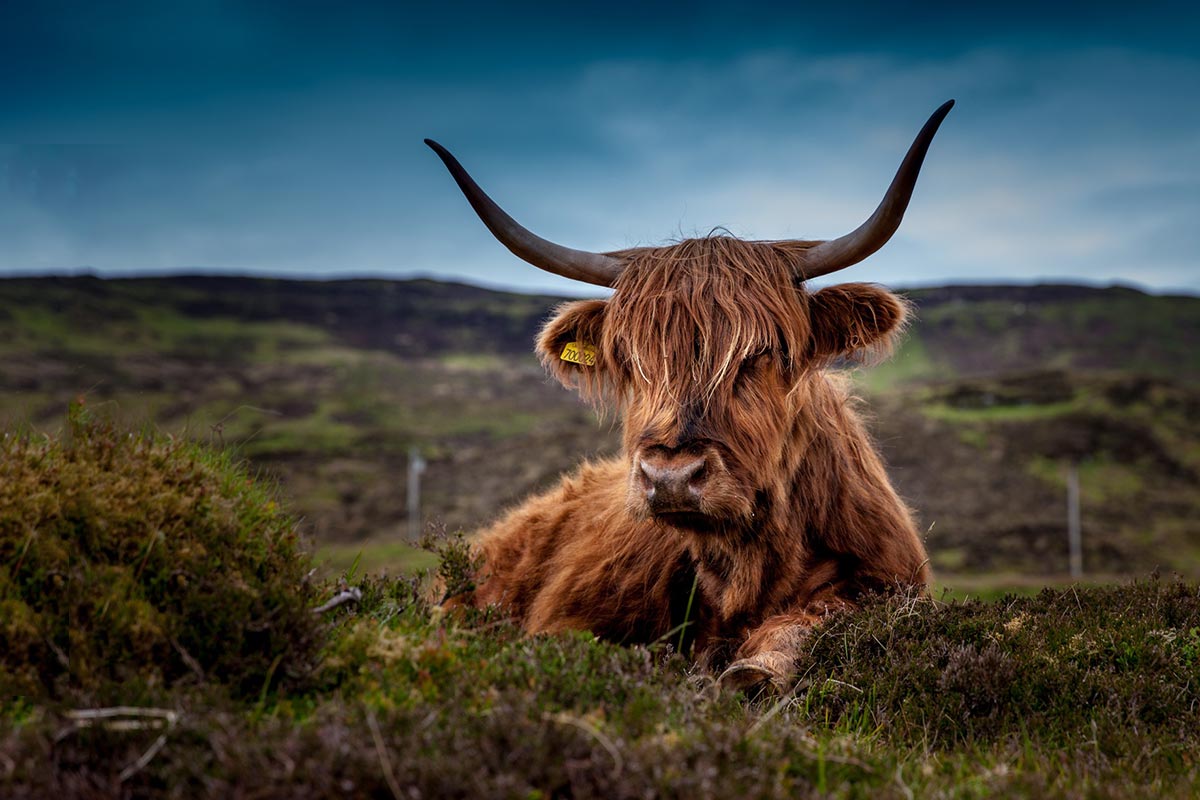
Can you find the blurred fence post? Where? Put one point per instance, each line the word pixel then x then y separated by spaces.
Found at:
pixel 416 465
pixel 1074 534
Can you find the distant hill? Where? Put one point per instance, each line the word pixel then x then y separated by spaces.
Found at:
pixel 959 330
pixel 989 330
pixel 409 318
pixel 327 385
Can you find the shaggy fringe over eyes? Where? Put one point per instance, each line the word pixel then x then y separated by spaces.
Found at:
pixel 686 316
pixel 720 298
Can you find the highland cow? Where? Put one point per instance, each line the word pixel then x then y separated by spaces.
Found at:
pixel 748 501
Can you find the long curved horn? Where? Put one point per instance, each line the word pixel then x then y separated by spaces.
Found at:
pixel 873 234
pixel 579 265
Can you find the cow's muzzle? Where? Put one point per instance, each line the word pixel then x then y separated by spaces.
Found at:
pixel 672 483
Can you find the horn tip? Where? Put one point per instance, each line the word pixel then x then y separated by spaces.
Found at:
pixel 442 153
pixel 935 119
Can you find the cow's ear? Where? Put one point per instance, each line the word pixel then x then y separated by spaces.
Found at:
pixel 855 320
pixel 569 344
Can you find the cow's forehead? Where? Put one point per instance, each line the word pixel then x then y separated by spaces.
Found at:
pixel 709 280
pixel 713 257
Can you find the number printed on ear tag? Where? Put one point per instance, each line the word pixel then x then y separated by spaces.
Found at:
pixel 579 353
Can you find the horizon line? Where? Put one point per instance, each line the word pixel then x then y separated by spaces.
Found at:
pixel 333 277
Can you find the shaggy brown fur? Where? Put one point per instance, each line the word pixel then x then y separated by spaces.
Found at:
pixel 714 353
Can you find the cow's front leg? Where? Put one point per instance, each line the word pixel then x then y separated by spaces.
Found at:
pixel 767 659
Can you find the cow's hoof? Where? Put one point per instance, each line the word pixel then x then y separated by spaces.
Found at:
pixel 748 677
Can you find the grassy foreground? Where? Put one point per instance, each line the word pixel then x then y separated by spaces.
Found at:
pixel 158 640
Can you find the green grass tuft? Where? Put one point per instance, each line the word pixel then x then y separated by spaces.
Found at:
pixel 135 559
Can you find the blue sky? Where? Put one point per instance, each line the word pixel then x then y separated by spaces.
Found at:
pixel 285 138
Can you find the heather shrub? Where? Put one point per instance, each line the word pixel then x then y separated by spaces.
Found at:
pixel 137 560
pixel 138 570
pixel 1112 666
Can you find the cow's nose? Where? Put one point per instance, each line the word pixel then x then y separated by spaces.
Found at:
pixel 672 485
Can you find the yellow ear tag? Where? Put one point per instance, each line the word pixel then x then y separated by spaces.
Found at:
pixel 579 353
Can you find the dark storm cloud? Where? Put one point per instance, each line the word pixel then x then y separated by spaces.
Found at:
pixel 285 138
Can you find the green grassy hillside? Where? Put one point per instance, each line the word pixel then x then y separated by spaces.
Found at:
pixel 970 331
pixel 327 385
pixel 984 462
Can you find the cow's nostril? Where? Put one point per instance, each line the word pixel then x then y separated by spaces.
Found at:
pixel 645 478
